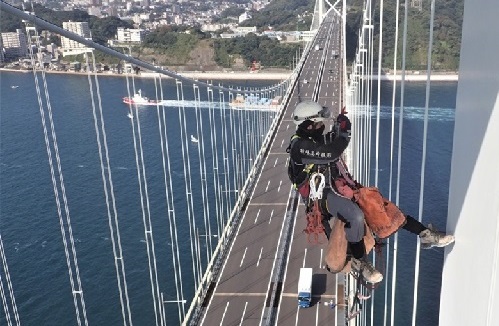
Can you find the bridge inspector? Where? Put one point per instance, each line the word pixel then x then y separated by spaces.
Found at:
pixel 313 152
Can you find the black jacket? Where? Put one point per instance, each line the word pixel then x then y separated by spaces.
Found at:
pixel 320 150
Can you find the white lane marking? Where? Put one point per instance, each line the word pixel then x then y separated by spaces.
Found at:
pixel 287 162
pixel 271 214
pixel 268 183
pixel 304 257
pixel 297 314
pixel 326 92
pixel 257 214
pixel 320 261
pixel 259 257
pixel 244 255
pixel 279 188
pixel 317 315
pixel 282 143
pixel 275 163
pixel 223 316
pixel 244 312
pixel 287 127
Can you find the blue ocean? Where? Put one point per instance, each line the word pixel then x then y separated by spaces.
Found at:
pixel 29 223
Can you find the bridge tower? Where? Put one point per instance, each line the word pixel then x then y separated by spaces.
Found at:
pixel 471 266
pixel 319 13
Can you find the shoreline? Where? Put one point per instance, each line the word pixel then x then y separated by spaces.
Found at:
pixel 242 75
pixel 239 75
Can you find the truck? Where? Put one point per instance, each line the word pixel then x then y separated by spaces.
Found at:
pixel 305 288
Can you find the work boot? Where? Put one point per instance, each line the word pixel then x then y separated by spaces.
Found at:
pixel 367 270
pixel 432 238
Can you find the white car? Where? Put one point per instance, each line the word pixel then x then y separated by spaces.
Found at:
pixel 305 81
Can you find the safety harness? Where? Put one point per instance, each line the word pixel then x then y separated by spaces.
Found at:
pixel 314 228
pixel 310 186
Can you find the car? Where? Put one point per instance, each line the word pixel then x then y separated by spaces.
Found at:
pixel 305 81
pixel 330 71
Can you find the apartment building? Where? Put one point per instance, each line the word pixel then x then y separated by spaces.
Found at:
pixel 14 44
pixel 70 47
pixel 130 35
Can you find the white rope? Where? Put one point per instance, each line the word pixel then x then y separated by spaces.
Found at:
pixel 65 223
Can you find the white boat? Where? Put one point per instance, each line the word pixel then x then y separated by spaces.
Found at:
pixel 138 99
pixel 14 86
pixel 130 115
pixel 194 139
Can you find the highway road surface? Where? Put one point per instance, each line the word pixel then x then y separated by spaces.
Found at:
pixel 258 282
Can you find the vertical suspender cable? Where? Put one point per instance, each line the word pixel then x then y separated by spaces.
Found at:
pixel 214 159
pixel 172 222
pixel 225 153
pixel 10 287
pixel 188 184
pixel 107 181
pixel 4 302
pixel 202 172
pixel 423 159
pixel 146 217
pixel 65 222
pixel 233 138
pixel 392 136
pixel 399 159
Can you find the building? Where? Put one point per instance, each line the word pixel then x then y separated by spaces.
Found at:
pixel 95 11
pixel 244 16
pixel 70 47
pixel 245 30
pixel 130 35
pixel 14 44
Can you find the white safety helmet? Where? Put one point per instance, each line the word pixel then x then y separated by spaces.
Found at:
pixel 309 110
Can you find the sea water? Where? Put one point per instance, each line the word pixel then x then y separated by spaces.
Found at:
pixel 30 228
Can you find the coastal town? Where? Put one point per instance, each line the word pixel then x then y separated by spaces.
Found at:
pixel 222 20
pixel 218 19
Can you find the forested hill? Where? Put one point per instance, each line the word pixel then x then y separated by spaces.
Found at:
pixel 446 36
pixel 283 15
pixel 297 15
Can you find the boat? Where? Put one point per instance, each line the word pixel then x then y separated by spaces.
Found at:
pixel 194 139
pixel 14 86
pixel 253 102
pixel 138 99
pixel 130 115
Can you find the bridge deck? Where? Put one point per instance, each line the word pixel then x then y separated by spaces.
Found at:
pixel 243 292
